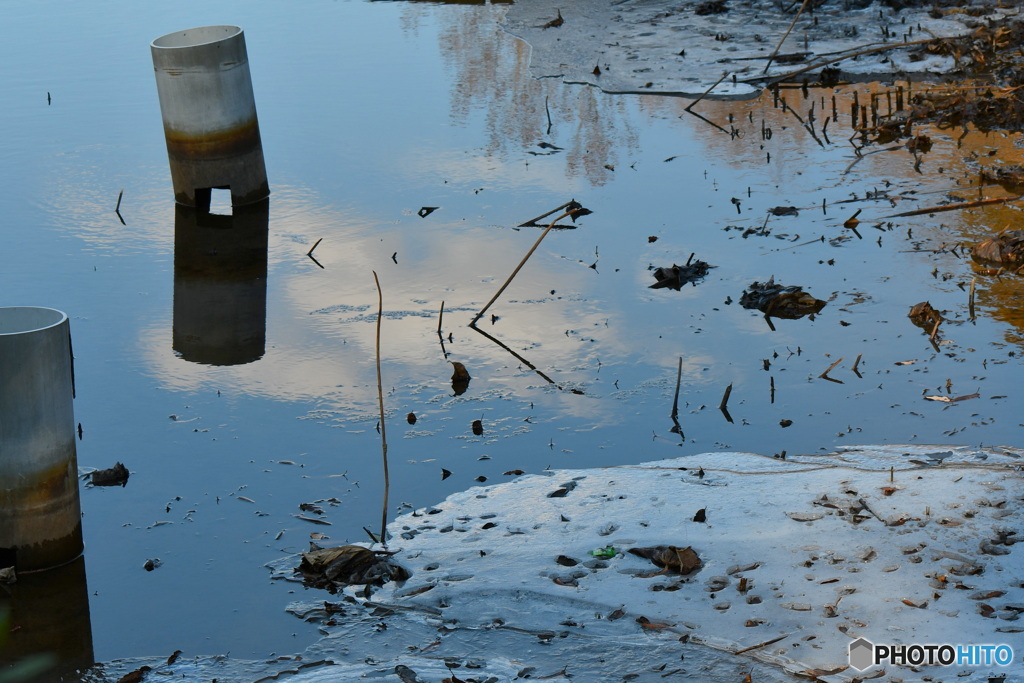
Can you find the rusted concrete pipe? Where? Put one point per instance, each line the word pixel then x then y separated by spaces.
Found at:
pixel 209 114
pixel 40 518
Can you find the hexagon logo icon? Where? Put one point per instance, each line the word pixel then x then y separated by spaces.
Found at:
pixel 862 654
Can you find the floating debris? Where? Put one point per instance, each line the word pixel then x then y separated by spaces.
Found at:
pixel 1006 248
pixel 779 301
pixel 674 277
pixel 113 476
pixel 924 316
pixel 460 378
pixel 333 568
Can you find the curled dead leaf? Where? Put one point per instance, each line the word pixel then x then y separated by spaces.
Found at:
pixel 682 560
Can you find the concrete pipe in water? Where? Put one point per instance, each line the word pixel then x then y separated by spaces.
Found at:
pixel 209 115
pixel 40 518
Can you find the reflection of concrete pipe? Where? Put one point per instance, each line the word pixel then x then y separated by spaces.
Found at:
pixel 220 285
pixel 213 137
pixel 49 619
pixel 40 519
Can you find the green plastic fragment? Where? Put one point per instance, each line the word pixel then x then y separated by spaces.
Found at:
pixel 605 552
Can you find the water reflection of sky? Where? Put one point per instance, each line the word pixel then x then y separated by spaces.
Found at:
pixel 368 112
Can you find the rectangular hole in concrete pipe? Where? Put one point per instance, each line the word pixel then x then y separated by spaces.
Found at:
pixel 215 200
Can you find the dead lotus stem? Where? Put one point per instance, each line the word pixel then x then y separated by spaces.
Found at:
pixel 856 363
pixel 786 35
pixel 824 375
pixel 383 431
pixel 519 267
pixel 315 245
pixel 705 93
pixel 954 207
pixel 440 317
pixel 754 647
pixel 117 209
pixel 935 330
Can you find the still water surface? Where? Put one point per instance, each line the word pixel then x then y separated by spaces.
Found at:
pixel 368 112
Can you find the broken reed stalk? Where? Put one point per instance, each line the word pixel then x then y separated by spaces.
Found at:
pixel 383 431
pixel 970 297
pixel 705 94
pixel 954 207
pixel 675 401
pixel 117 209
pixel 824 375
pixel 519 267
pixel 754 647
pixel 532 223
pixel 786 35
pixel 315 245
pixel 548 112
pixel 440 317
pixel 856 363
pixel 935 331
pixel 725 398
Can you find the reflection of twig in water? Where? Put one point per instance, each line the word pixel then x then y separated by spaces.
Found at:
pixel 440 337
pixel 676 428
pixel 517 356
pixel 689 108
pixel 383 432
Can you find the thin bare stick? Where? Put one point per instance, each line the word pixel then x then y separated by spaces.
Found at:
pixel 675 402
pixel 935 331
pixel 954 207
pixel 519 267
pixel 383 431
pixel 824 375
pixel 532 223
pixel 705 94
pixel 440 317
pixel 754 647
pixel 315 245
pixel 117 209
pixel 548 112
pixel 856 363
pixel 779 46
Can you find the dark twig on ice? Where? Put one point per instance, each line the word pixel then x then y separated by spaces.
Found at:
pixel 315 245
